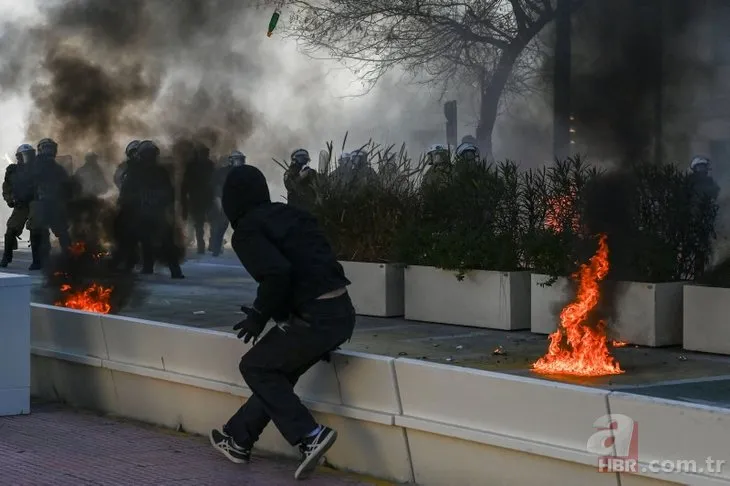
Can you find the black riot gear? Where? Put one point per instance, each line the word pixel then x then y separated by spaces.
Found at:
pixel 48 147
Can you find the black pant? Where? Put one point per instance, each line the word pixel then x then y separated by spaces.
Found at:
pixel 273 366
pixel 218 228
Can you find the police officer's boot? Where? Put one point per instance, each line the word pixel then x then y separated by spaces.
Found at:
pixel 10 244
pixel 175 270
pixel 36 248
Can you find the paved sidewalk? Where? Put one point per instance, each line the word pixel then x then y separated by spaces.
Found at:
pixel 58 446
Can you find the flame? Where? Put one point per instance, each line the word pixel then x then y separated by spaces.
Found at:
pixel 92 298
pixel 577 348
pixel 95 298
pixel 619 344
pixel 560 208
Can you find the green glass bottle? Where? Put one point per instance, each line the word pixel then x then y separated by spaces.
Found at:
pixel 273 22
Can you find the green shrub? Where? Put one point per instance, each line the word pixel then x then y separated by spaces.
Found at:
pixel 364 216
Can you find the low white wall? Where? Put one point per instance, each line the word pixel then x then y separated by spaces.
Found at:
pixel 377 288
pixel 494 300
pixel 399 419
pixel 14 344
pixel 706 315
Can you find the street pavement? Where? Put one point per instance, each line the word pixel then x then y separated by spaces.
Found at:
pixel 215 288
pixel 61 447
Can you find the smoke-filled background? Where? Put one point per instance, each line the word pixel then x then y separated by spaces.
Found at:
pixel 94 74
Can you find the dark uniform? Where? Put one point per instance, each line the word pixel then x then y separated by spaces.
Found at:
pixel 91 178
pixel 707 192
pixel 13 196
pixel 437 159
pixel 197 193
pixel 302 287
pixel 52 185
pixel 219 221
pixel 130 152
pixel 147 200
pixel 354 169
pixel 299 180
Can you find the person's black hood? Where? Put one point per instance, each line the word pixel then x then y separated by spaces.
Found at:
pixel 245 188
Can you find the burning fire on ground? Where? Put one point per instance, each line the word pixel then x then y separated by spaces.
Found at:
pixel 92 297
pixel 577 347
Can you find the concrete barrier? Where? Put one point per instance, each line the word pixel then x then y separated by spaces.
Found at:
pixel 14 344
pixel 377 288
pixel 494 300
pixel 399 419
pixel 705 322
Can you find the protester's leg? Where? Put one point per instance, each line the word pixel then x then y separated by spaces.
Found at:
pixel 271 369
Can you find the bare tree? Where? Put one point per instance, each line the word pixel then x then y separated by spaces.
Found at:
pixel 452 42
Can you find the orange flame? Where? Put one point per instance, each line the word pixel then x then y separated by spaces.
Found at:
pixel 619 344
pixel 93 299
pixel 585 351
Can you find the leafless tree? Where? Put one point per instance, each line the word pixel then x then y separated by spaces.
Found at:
pixel 480 43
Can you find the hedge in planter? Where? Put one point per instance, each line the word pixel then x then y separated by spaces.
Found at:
pixel 463 249
pixel 362 218
pixel 553 200
pixel 658 228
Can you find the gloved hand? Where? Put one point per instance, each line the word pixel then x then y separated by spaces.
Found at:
pixel 251 326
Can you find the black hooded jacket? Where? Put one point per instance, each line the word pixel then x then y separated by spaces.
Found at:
pixel 282 247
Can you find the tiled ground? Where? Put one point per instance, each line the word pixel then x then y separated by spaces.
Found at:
pixel 60 447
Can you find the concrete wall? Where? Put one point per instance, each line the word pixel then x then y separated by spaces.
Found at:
pixel 399 419
pixel 377 288
pixel 494 300
pixel 647 314
pixel 706 315
pixel 14 344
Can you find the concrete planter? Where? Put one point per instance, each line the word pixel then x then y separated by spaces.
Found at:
pixel 706 311
pixel 14 344
pixel 377 288
pixel 546 302
pixel 489 299
pixel 647 314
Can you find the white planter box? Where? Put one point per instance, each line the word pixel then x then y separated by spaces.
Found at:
pixel 493 300
pixel 647 314
pixel 14 344
pixel 546 302
pixel 706 318
pixel 377 288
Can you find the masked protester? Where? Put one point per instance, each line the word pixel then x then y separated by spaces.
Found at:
pixel 52 188
pixel 219 224
pixel 18 199
pixel 299 180
pixel 148 201
pixel 90 177
pixel 303 288
pixel 197 193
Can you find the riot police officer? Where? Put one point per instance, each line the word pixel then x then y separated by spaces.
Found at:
pixel 299 179
pixel 148 199
pixel 219 221
pixel 438 163
pixel 16 198
pixel 197 193
pixel 130 153
pixel 90 176
pixel 52 185
pixel 468 153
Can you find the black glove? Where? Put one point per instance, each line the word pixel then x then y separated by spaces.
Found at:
pixel 251 326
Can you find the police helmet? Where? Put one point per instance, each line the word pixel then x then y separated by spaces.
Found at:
pixel 48 146
pixel 236 159
pixel 148 149
pixel 699 163
pixel 131 148
pixel 300 157
pixel 468 151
